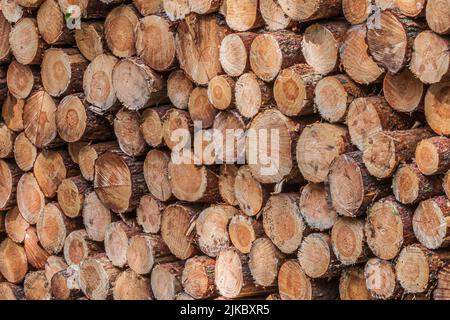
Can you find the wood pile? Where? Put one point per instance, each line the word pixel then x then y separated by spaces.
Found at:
pixel 96 202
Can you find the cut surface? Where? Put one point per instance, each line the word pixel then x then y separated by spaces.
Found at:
pixel 430 223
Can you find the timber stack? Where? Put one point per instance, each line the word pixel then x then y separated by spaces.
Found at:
pixel 119 178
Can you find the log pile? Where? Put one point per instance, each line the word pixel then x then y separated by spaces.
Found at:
pixel 110 190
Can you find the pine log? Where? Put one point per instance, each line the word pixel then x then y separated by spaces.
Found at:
pixel 436 102
pixel 321 44
pixel 442 287
pixel 119 31
pixel 388 228
pixel 430 61
pixel 74 149
pixel 242 15
pixel 155 42
pixel 293 90
pixel 384 151
pixel 413 9
pixel 97 277
pixel 145 251
pixel 131 286
pixel 148 7
pixel 148 214
pixel 200 109
pixel 305 288
pixel 128 133
pixel 204 6
pixel 166 280
pixel 156 174
pixel 25 41
pixel 243 231
pixel 410 186
pixel 119 181
pixel 15 225
pixel 96 217
pixel 274 16
pixel 334 94
pixel 316 211
pixel 7 138
pixel 117 239
pixel 90 153
pixel 235 53
pixel 25 152
pixel 9 291
pixel 176 9
pixel 90 9
pixel 251 94
pixel 39 118
pixel 78 247
pixel 381 279
pixel 177 230
pixel 272 52
pixel 264 262
pixel 37 256
pixel 228 137
pixel 30 3
pixel 30 199
pixel 352 284
pixel 151 123
pixel 317 147
pixel 311 10
pixel 197 277
pixel 52 25
pixel 221 92
pixel 403 91
pixel 350 187
pixel 211 228
pixel 438 16
pixel 12 112
pixel 433 155
pixel 430 222
pixel 98 82
pixel 136 85
pixel 53 265
pixel 348 241
pixel 12 10
pixel 36 286
pixel 197 43
pixel 283 222
pixel 179 89
pixel 13 261
pixel 356 11
pixel 5 31
pixel 64 284
pixel 90 39
pixel 250 195
pixel 206 146
pixel 21 79
pixel 355 59
pixel 227 177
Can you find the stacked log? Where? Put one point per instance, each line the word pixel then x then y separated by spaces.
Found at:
pixel 224 149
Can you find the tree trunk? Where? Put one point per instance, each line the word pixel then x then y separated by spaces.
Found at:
pixel 433 155
pixel 53 265
pixel 131 286
pixel 242 15
pixel 403 91
pixel 348 241
pixel 13 261
pixel 442 287
pixel 243 231
pixel 148 214
pixel 381 279
pixel 179 88
pixel 120 24
pixel 435 102
pixel 197 277
pixel 312 9
pixel 166 280
pixel 25 41
pixel 36 286
pixel 30 199
pixel 96 217
pixel 235 53
pixel 78 247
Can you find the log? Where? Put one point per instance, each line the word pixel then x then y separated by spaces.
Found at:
pixel 410 186
pixel 145 251
pixel 197 277
pixel 74 149
pixel 90 153
pixel 413 9
pixel 25 152
pixel 293 90
pixel 39 118
pixel 78 247
pixel 433 155
pixel 200 109
pixel 321 44
pixel 119 181
pixel 242 15
pixel 156 174
pixel 221 92
pixel 155 42
pixel 437 15
pixel 11 10
pixel 227 179
pixel 316 256
pixel 435 102
pixel 5 31
pixel 15 225
pixel 381 279
pixel 166 280
pixel 316 211
pixel 211 228
pixel 26 49
pixel 105 274
pixel 352 284
pixel 117 239
pixel 384 151
pixel 30 199
pixel 151 123
pixel 356 11
pixel 136 85
pixel 228 137
pixel 37 256
pixel 350 187
pixel 250 195
pixel 90 39
pixel 348 241
pixel 128 133
pixel 96 217
pixel 13 261
pixel 177 9
pixel 120 24
pixel 243 231
pixel 274 16
pixel 179 89
pixel 9 291
pixel 98 84
pixel 53 265
pixel 148 214
pixel 417 268
pixel 272 52
pixel 147 8
pixel 430 60
pixel 355 59
pixel 64 284
pixel 306 288
pixel 403 91
pixel 177 230
pixel 430 222
pixel 52 25
pixel 442 287
pixel 36 286
pixel 235 53
pixel 204 6
pixel 311 10
pixel 283 222
pixel 251 94
pixel 12 111
pixel 333 95
pixel 76 121
pixel 197 43
pixel 7 138
pixel 317 147
pixel 131 286
pixel 21 79
pixel 388 228
pixel 264 262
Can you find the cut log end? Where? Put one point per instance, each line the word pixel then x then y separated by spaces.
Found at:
pixel 347 238
pixel 381 280
pixel 316 211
